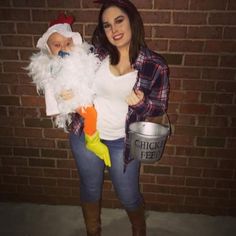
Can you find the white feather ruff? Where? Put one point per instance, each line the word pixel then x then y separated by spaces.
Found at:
pixel 74 72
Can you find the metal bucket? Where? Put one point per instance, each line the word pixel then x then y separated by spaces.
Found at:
pixel 147 140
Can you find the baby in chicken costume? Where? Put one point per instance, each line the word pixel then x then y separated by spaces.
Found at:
pixel 64 71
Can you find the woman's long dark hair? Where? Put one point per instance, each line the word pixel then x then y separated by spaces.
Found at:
pixel 100 40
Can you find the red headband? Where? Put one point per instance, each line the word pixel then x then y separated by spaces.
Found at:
pixel 62 19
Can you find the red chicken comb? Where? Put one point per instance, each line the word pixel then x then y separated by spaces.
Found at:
pixel 62 19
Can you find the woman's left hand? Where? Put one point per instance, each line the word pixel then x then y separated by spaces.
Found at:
pixel 134 97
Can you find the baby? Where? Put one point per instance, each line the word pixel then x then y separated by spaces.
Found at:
pixel 64 70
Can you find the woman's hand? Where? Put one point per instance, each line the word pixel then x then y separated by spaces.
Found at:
pixel 134 97
pixel 67 94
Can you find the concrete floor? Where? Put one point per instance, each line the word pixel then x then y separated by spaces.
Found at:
pixel 51 220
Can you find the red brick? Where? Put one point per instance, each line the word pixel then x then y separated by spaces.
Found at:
pixel 200 163
pixel 200 182
pixel 184 140
pixel 184 96
pixel 7 28
pixel 228 61
pixel 219 174
pixel 66 164
pixel 170 180
pixel 197 201
pixel 14 161
pixel 205 32
pixel 42 181
pixel 157 17
pixel 218 74
pixel 11 14
pixel 7 170
pixel 58 191
pixel 15 180
pixel 176 161
pixel 180 171
pixel 209 121
pixel 208 5
pixel 35 3
pixel 17 41
pixel 231 143
pixel 33 101
pixel 43 143
pixel 210 142
pixel 28 132
pixel 217 98
pixel 183 72
pixel 186 120
pixel 16 67
pixel 224 110
pixel 195 109
pixel 223 46
pixel 69 183
pixel 23 112
pixel 190 130
pixel 25 152
pixel 9 100
pixel 151 188
pixel 157 45
pixel 225 184
pixel 6 188
pixel 221 153
pixel 184 191
pixel 201 60
pixel 222 18
pixel 8 54
pixel 215 193
pixel 170 32
pixel 230 33
pixel 147 178
pixel 219 132
pixel 25 171
pixel 41 162
pixel 190 18
pixel 26 90
pixel 190 151
pixel 162 170
pixel 171 4
pixel 63 173
pixel 186 46
pixel 26 189
pixel 55 133
pixel 200 85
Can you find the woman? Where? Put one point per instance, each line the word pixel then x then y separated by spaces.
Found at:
pixel 131 84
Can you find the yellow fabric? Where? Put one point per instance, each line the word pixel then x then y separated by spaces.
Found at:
pixel 94 144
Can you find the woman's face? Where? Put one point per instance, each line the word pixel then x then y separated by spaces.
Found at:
pixel 117 28
pixel 57 42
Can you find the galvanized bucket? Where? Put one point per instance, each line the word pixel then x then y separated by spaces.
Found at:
pixel 147 140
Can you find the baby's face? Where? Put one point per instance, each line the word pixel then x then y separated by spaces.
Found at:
pixel 57 42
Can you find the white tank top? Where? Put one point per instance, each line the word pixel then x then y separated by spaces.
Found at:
pixel 109 101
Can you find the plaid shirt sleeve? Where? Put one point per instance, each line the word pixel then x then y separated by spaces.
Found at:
pixel 153 81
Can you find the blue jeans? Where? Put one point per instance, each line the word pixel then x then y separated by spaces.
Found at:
pixel 91 173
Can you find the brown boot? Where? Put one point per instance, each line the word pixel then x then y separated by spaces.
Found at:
pixel 137 219
pixel 91 213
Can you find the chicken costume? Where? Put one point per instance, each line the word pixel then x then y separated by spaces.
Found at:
pixel 72 71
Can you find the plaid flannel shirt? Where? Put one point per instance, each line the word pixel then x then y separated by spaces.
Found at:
pixel 153 81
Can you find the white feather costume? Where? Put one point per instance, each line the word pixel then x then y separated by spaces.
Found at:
pixel 53 74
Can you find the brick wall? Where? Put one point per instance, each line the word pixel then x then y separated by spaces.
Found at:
pixel 197 172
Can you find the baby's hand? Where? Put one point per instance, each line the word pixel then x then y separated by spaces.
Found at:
pixel 67 94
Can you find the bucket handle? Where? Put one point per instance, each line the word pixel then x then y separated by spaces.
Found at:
pixel 169 124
